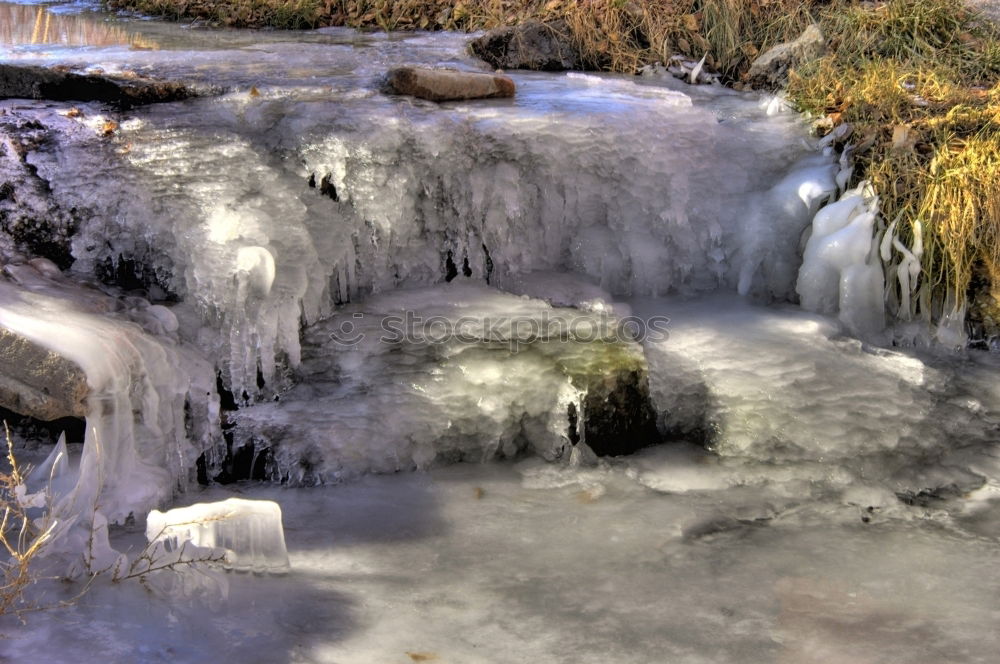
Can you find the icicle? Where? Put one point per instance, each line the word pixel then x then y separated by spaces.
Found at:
pixel 906 273
pixel 55 465
pixel 840 272
pixel 246 534
pixel 697 69
pixel 950 330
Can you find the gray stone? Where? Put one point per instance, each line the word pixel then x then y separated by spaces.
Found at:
pixel 447 84
pixel 618 414
pixel 29 82
pixel 770 70
pixel 39 383
pixel 988 9
pixel 32 222
pixel 530 45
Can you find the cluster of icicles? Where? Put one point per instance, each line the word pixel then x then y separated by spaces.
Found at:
pixel 858 268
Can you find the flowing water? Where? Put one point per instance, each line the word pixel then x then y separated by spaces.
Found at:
pixel 822 499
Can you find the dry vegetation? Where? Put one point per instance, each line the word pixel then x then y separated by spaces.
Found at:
pixel 19 537
pixel 917 79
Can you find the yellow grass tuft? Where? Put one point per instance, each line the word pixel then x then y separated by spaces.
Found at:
pixel 917 79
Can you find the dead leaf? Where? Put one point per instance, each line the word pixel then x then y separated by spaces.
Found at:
pixel 701 42
pixel 254 92
pixel 479 492
pixel 108 127
pixel 691 23
pixel 866 142
pixel 422 656
pixel 903 138
pixel 74 113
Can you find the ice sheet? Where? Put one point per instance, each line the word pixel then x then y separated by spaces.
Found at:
pixel 644 187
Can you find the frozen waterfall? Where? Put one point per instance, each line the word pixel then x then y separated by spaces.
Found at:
pixel 241 231
pixel 652 307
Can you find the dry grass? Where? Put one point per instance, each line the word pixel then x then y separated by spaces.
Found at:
pixel 18 536
pixel 918 81
pixel 287 14
pixel 613 35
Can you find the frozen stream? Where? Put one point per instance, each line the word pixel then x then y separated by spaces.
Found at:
pixel 821 499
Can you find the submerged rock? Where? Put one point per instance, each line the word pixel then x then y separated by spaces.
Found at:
pixel 447 84
pixel 30 82
pixel 770 70
pixel 530 45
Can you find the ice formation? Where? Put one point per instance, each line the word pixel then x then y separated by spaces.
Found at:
pixel 246 534
pixel 239 220
pixel 646 187
pixel 841 269
pixel 139 447
pixel 458 371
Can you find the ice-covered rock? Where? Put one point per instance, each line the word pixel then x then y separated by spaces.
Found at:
pixel 786 385
pixel 246 535
pixel 31 220
pixel 461 371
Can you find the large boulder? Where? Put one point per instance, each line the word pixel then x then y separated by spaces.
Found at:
pixel 530 45
pixel 447 84
pixel 39 383
pixel 30 82
pixel 770 70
